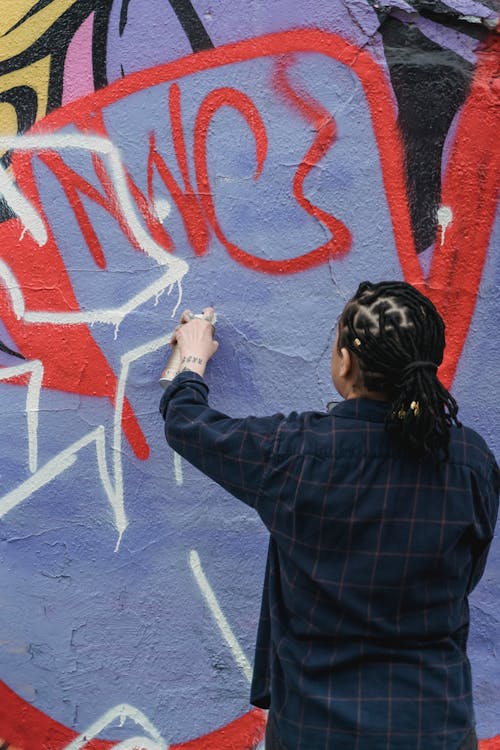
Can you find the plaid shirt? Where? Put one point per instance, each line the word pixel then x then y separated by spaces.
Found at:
pixel 363 629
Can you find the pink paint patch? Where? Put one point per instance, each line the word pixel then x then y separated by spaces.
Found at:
pixel 78 77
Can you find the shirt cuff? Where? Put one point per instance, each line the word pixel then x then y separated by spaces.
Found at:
pixel 187 377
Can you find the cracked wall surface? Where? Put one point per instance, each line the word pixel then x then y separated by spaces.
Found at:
pixel 264 158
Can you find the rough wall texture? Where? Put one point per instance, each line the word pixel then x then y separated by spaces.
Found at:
pixel 264 157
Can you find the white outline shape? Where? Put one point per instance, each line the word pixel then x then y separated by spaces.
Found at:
pixel 218 615
pixel 112 483
pixel 176 269
pixel 123 711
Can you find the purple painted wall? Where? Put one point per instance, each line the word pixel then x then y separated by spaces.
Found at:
pixel 263 160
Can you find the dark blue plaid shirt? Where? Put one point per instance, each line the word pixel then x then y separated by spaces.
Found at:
pixel 364 622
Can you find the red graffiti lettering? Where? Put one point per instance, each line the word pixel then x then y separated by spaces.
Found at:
pixel 470 189
pixel 71 358
pixel 186 201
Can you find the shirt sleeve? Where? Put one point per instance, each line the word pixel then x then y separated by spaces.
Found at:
pixel 233 452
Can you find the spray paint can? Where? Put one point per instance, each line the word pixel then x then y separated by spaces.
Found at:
pixel 173 364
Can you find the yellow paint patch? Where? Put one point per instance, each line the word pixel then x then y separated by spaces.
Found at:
pixel 36 76
pixel 12 12
pixel 23 36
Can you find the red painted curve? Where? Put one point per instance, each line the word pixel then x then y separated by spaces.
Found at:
pixel 27 728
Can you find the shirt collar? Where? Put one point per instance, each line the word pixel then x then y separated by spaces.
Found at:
pixel 367 409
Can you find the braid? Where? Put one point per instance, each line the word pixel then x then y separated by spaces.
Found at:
pixel 397 336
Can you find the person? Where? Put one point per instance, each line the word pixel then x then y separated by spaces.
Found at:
pixel 380 514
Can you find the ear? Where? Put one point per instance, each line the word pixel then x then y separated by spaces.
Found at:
pixel 346 363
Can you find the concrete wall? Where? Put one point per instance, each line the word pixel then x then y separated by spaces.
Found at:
pixel 263 157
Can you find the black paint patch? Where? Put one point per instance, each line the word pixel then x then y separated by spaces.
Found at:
pixel 99 43
pixel 24 100
pixel 123 16
pixel 430 84
pixel 192 25
pixel 25 103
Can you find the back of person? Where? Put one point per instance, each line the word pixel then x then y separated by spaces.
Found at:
pixel 376 554
pixel 380 514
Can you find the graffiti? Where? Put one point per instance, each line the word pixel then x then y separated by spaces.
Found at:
pixel 476 114
pixel 38 65
pixel 174 268
pixel 431 81
pixel 35 57
pixel 271 174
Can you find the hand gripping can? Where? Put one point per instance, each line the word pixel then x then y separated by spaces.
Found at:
pixel 173 365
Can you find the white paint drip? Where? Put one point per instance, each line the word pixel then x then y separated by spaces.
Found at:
pixel 122 712
pixel 112 316
pixel 218 615
pixel 179 298
pixel 179 479
pixel 444 219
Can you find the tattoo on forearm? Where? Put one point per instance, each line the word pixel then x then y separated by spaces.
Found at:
pixel 194 360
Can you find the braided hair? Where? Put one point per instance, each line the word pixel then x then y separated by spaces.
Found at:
pixel 397 337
